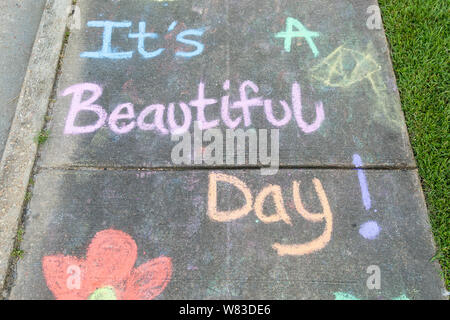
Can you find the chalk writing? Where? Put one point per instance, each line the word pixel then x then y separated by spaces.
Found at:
pixel 107 273
pixel 141 36
pixel 181 37
pixel 125 113
pixel 273 191
pixel 77 106
pixel 106 51
pixel 344 296
pixel 301 32
pixel 362 181
pixel 348 296
pixel 370 230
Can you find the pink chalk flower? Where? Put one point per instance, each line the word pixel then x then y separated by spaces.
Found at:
pixel 108 271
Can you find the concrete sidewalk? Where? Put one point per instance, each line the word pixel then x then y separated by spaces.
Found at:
pixel 18 25
pixel 112 216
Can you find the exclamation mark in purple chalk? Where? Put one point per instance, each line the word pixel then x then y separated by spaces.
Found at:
pixel 362 182
pixel 369 230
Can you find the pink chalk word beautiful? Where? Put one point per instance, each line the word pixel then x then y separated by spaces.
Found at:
pixel 162 119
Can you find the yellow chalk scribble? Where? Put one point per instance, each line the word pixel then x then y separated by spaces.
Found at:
pixel 345 67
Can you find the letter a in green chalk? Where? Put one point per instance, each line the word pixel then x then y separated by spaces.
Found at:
pixel 301 32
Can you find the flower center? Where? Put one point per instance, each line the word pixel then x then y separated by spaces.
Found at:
pixel 105 293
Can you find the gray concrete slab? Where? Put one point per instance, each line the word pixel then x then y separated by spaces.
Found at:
pixel 138 231
pixel 19 155
pixel 168 214
pixel 19 21
pixel 347 69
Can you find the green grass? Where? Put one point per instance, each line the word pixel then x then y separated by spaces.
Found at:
pixel 17 253
pixel 20 235
pixel 42 137
pixel 418 32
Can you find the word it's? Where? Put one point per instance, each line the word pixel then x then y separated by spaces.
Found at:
pixel 142 35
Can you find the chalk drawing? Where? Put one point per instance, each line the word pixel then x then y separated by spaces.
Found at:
pixel 107 272
pixel 174 128
pixel 159 110
pixel 297 106
pixel 201 103
pixel 225 216
pixel 275 192
pixel 280 215
pixel 78 106
pixel 324 238
pixel 245 103
pixel 271 118
pixel 301 32
pixel 402 297
pixel 172 26
pixel 106 51
pixel 225 109
pixel 158 121
pixel 199 46
pixel 141 36
pixel 344 296
pixel 370 230
pixel 117 115
pixel 362 182
pixel 345 67
pixel 348 296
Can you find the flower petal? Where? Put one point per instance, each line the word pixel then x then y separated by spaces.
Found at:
pixel 64 276
pixel 110 258
pixel 149 280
